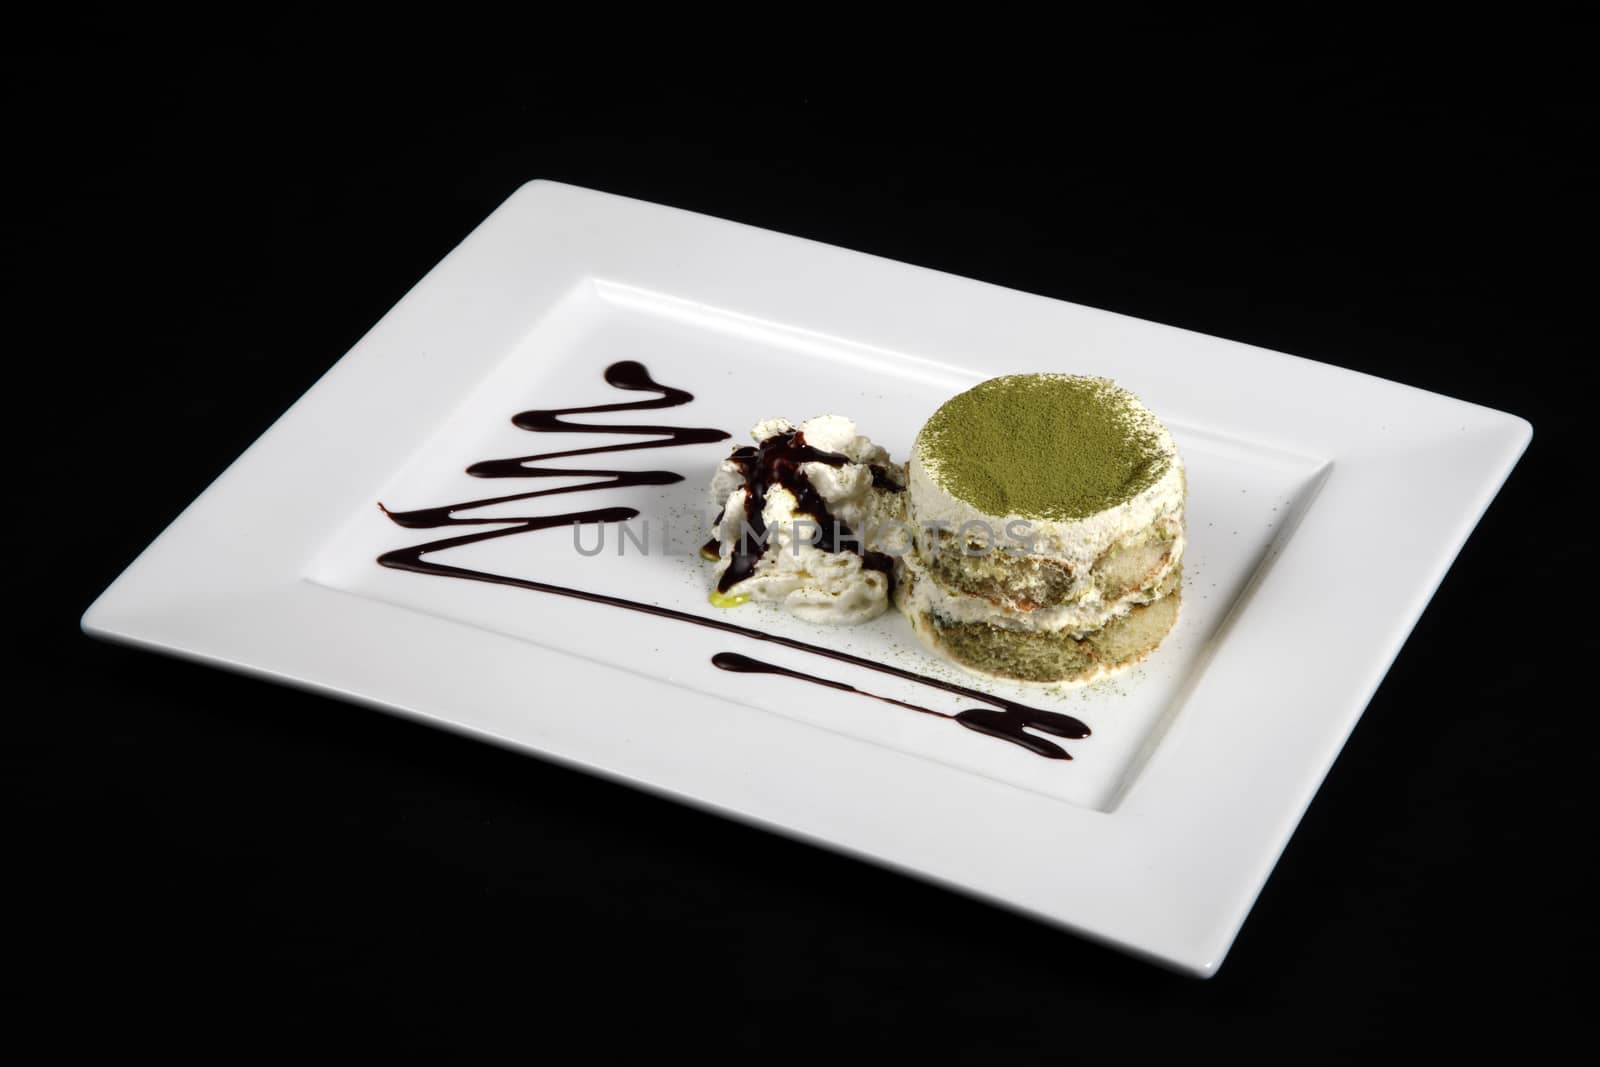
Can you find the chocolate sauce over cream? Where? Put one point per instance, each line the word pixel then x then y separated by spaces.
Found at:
pixel 1005 719
pixel 776 462
pixel 881 479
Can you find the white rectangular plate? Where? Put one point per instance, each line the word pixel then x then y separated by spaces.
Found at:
pixel 1324 508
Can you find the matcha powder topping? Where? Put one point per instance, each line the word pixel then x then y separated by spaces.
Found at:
pixel 1045 446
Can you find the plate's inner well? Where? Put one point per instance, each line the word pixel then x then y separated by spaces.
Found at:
pixel 641 527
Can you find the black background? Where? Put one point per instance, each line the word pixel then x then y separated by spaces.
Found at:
pixel 201 226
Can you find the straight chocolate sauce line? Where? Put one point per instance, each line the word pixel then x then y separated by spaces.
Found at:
pixel 1006 720
pixel 732 661
pixel 1008 724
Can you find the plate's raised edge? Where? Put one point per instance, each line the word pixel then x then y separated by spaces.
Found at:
pixel 1517 434
pixel 565 195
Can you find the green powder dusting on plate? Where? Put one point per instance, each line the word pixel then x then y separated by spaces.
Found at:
pixel 1045 446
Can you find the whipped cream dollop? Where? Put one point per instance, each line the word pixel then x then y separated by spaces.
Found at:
pixel 803 519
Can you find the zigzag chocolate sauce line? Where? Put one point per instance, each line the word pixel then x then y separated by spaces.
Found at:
pixel 1006 719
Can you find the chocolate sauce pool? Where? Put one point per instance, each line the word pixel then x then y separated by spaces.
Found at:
pixel 1005 719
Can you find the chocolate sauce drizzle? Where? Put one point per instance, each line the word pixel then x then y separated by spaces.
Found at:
pixel 1007 723
pixel 732 661
pixel 1005 719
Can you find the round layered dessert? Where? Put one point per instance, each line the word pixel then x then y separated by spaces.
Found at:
pixel 1048 510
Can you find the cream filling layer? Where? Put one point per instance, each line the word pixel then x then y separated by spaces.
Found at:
pixel 1078 542
pixel 920 592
